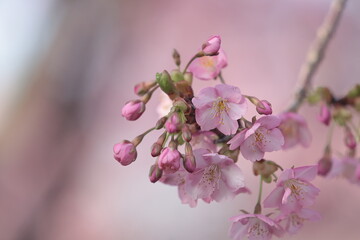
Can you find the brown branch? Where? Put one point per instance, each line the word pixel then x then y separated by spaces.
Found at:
pixel 316 52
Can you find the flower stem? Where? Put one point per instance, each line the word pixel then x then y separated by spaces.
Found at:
pixel 317 51
pixel 257 209
pixel 221 78
pixel 199 54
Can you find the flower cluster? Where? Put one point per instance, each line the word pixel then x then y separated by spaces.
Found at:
pixel 202 136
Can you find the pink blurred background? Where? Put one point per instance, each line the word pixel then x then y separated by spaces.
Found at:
pixel 66 69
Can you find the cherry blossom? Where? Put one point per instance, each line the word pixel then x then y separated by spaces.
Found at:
pixel 212 45
pixel 216 177
pixel 293 189
pixel 263 136
pixel 254 226
pixel 208 67
pixel 295 130
pixel 132 110
pixel 219 107
pixel 125 152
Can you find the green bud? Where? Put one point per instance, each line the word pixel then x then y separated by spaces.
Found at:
pixel 188 76
pixel 176 57
pixel 354 92
pixel 176 75
pixel 341 116
pixel 165 83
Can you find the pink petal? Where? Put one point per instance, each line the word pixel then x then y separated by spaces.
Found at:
pixel 304 136
pixel 205 97
pixel 237 140
pixel 309 214
pixel 273 140
pixel 269 122
pixel 251 151
pixel 230 93
pixel 201 163
pixel 206 118
pixel 236 110
pixel 252 130
pixel 226 125
pixel 238 230
pixel 222 192
pixel 287 193
pixel 307 173
pixel 185 197
pixel 205 68
pixel 275 197
pixel 232 176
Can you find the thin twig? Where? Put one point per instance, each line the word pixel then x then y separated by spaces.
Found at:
pixel 316 52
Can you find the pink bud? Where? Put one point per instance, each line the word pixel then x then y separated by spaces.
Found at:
pixel 264 107
pixel 350 140
pixel 169 160
pixel 212 46
pixel 325 115
pixel 156 149
pixel 324 166
pixel 155 173
pixel 173 123
pixel 190 163
pixel 125 152
pixel 133 110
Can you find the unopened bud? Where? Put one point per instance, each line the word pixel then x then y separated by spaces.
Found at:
pixel 173 123
pixel 142 88
pixel 176 57
pixel 212 45
pixel 350 140
pixel 325 114
pixel 264 107
pixel 176 75
pixel 354 92
pixel 186 134
pixel 341 116
pixel 156 149
pixel 137 140
pixel 180 104
pixel 189 163
pixel 160 123
pixel 166 84
pixel 162 138
pixel 125 152
pixel 324 166
pixel 184 89
pixel 132 110
pixel 188 77
pixel 155 173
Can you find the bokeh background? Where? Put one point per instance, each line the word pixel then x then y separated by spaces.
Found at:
pixel 68 66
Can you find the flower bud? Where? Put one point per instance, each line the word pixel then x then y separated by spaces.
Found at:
pixel 166 84
pixel 169 160
pixel 354 92
pixel 324 166
pixel 142 88
pixel 350 140
pixel 125 152
pixel 160 123
pixel 176 75
pixel 189 163
pixel 176 57
pixel 325 114
pixel 212 46
pixel 180 104
pixel 156 149
pixel 132 110
pixel 188 77
pixel 341 116
pixel 155 173
pixel 173 123
pixel 264 107
pixel 186 133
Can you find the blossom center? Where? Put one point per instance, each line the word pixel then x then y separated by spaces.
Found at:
pixel 207 62
pixel 258 229
pixel 211 175
pixel 296 220
pixel 219 107
pixel 296 188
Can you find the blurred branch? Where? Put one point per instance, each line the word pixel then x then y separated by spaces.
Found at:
pixel 316 52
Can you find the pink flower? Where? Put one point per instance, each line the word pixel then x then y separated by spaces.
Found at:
pixel 205 140
pixel 254 227
pixel 133 109
pixel 264 107
pixel 350 169
pixel 295 219
pixel 212 45
pixel 295 130
pixel 173 123
pixel 169 160
pixel 263 136
pixel 208 67
pixel 293 189
pixel 325 114
pixel 219 107
pixel 216 177
pixel 125 152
